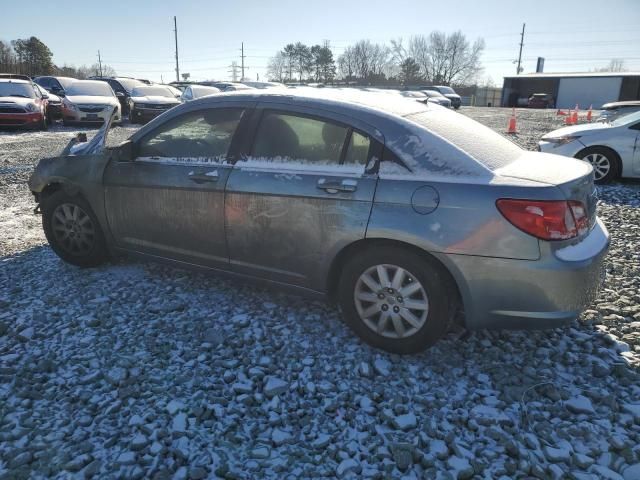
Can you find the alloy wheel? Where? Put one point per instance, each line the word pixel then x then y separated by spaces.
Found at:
pixel 600 163
pixel 73 229
pixel 391 301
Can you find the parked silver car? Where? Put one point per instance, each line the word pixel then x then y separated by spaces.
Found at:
pixel 404 213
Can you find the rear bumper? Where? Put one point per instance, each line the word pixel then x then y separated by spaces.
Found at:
pixel 521 294
pixel 20 119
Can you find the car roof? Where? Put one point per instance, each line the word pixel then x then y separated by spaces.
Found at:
pixel 347 99
pixel 15 80
pixel 626 103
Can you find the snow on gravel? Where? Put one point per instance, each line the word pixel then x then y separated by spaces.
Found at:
pixel 138 370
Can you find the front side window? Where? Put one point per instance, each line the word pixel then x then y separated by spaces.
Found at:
pixel 203 136
pixel 291 138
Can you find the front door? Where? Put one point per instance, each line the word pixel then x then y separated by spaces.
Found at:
pixel 299 195
pixel 168 200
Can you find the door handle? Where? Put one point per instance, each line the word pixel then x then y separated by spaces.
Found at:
pixel 209 177
pixel 335 186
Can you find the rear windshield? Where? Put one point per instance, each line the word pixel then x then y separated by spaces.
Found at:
pixel 152 92
pixel 65 82
pixel 129 83
pixel 488 147
pixel 92 88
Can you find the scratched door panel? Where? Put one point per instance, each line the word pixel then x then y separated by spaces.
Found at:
pixel 159 209
pixel 282 227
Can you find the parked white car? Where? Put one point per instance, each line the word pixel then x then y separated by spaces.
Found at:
pixel 196 91
pixel 612 148
pixel 90 102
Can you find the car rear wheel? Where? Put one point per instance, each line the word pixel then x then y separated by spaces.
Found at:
pixel 395 300
pixel 72 230
pixel 604 163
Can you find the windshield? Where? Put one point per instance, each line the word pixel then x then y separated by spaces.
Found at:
pixel 10 89
pixel 65 82
pixel 92 88
pixel 129 83
pixel 626 119
pixel 152 91
pixel 446 90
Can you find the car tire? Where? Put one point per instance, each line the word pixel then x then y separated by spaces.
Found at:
pixel 605 163
pixel 376 307
pixel 72 230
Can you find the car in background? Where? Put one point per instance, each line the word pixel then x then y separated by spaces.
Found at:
pixel 16 76
pixel 122 86
pixel 419 96
pixel 227 86
pixel 612 148
pixel 541 100
pixel 196 91
pixel 55 85
pixel 271 85
pixel 437 98
pixel 181 85
pixel 176 91
pixel 149 101
pixel 145 81
pixel 404 214
pixel 54 104
pixel 448 92
pixel 90 102
pixel 22 104
pixel 612 110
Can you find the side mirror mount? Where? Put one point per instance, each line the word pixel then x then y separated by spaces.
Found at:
pixel 125 152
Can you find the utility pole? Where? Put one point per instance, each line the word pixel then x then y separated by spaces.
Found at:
pixel 175 32
pixel 100 62
pixel 521 45
pixel 242 57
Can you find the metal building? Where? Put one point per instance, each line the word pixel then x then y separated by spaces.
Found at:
pixel 569 89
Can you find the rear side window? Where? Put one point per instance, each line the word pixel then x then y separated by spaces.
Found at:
pixel 284 137
pixel 203 136
pixel 357 149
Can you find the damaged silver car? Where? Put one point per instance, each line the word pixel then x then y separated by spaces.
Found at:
pixel 406 214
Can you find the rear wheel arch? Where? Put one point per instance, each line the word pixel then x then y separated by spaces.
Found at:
pixel 338 263
pixel 615 156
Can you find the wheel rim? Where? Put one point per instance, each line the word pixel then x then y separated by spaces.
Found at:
pixel 391 301
pixel 73 229
pixel 600 163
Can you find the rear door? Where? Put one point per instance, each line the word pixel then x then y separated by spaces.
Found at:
pixel 301 193
pixel 168 200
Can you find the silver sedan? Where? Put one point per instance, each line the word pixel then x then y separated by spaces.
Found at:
pixel 407 215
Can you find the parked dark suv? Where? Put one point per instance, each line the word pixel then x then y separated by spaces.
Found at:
pixel 123 87
pixel 540 100
pixel 55 85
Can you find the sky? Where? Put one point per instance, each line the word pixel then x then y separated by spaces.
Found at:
pixel 136 36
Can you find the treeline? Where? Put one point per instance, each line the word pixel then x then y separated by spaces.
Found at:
pixel 437 58
pixel 30 56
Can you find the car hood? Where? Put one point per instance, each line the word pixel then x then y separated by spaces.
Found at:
pixel 452 95
pixel 92 100
pixel 155 99
pixel 23 102
pixel 53 98
pixel 578 130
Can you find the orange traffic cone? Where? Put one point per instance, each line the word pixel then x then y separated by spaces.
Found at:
pixel 561 112
pixel 575 114
pixel 589 113
pixel 568 120
pixel 511 128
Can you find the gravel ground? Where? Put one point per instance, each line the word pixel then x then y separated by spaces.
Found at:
pixel 143 371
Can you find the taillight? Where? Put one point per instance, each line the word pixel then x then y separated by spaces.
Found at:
pixel 547 220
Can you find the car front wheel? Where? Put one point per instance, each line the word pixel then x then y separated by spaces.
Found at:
pixel 72 230
pixel 604 163
pixel 394 299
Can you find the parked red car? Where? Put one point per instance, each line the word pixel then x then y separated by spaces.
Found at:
pixel 541 100
pixel 22 104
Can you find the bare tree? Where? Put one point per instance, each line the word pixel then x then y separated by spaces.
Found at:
pixel 277 67
pixel 346 63
pixel 615 65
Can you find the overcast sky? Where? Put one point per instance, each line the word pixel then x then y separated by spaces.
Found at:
pixel 136 37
